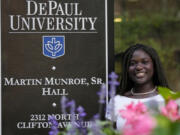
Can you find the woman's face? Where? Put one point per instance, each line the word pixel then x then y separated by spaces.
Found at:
pixel 141 68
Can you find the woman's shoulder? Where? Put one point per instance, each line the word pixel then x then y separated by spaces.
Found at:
pixel 125 95
pixel 127 98
pixel 121 100
pixel 128 94
pixel 119 97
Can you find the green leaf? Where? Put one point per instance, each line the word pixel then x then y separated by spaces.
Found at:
pixel 168 94
pixel 163 126
pixel 175 128
pixel 166 126
pixel 110 131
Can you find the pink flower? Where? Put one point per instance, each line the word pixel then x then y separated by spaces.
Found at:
pixel 138 121
pixel 171 111
pixel 133 110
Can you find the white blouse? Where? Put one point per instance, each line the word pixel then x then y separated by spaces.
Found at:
pixel 120 102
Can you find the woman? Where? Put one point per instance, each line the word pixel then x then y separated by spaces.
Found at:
pixel 141 74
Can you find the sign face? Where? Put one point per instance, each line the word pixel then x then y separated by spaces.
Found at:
pixel 50 49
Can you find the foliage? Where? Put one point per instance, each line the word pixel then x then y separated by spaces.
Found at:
pixel 138 118
pixel 166 126
pixel 168 94
pixel 160 31
pixel 156 27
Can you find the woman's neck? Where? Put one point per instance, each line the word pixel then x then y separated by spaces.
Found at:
pixel 144 87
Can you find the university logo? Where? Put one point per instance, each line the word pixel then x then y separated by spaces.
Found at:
pixel 53 46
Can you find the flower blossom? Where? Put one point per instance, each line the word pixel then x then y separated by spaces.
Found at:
pixel 102 94
pixel 171 111
pixel 54 126
pixel 138 121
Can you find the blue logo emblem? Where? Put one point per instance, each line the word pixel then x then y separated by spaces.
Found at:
pixel 53 46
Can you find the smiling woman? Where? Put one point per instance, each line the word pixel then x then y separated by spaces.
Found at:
pixel 141 71
pixel 141 74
